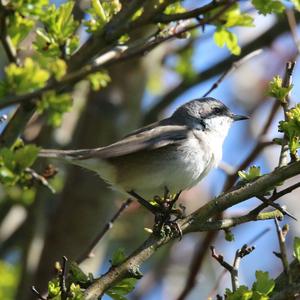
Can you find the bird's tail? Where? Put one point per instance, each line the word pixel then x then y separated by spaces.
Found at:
pixel 65 154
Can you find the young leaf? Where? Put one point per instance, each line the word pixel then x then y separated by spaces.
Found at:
pixel 276 90
pixel 263 285
pixel 99 80
pixel 118 257
pixel 265 7
pixel 54 105
pixel 223 37
pixel 26 156
pixel 122 288
pixel 242 293
pixel 234 17
pixel 76 292
pixel 252 174
pixel 26 78
pixel 291 127
pixel 296 4
pixel 54 288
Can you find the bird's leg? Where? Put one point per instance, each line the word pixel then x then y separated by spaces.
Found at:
pixel 163 219
pixel 144 202
pixel 163 212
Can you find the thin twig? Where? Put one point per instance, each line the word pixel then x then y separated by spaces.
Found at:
pixel 223 273
pixel 62 278
pixel 283 252
pixel 37 293
pixel 106 228
pixel 196 264
pixel 233 67
pixel 276 195
pixel 287 80
pixel 283 210
pixel 293 27
pixel 5 39
pixel 41 179
pixel 234 268
pixel 195 13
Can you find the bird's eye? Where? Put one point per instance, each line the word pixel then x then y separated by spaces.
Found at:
pixel 218 110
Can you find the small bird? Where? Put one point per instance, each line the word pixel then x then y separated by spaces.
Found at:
pixel 173 154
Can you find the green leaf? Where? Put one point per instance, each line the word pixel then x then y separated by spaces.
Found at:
pixel 9 277
pixel 77 275
pixel 223 37
pixel 252 174
pixel 53 288
pixel 263 285
pixel 296 4
pixel 58 35
pixel 33 8
pixel 54 105
pixel 297 248
pixel 184 65
pixel 174 8
pixel 242 293
pixel 276 90
pixel 229 236
pixel 234 17
pixel 76 292
pixel 291 127
pixel 122 288
pixel 26 156
pixel 118 257
pixel 26 78
pixel 19 27
pixel 7 177
pixel 100 13
pixel 265 7
pixel 99 80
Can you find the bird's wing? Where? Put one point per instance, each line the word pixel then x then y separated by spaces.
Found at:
pixel 150 137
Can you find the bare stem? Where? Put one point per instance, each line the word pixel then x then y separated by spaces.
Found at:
pixel 283 252
pixel 106 228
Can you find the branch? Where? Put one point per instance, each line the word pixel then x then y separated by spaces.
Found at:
pixel 4 37
pixel 265 39
pixel 276 195
pixel 234 268
pixel 227 223
pixel 196 264
pixel 281 234
pixel 101 234
pixel 283 159
pixel 195 13
pixel 203 214
pixel 234 66
pixel 115 55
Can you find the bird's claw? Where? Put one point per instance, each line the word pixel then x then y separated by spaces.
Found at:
pixel 167 216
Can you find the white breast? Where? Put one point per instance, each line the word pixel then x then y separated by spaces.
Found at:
pixel 182 168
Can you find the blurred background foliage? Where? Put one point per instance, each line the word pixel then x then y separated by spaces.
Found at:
pixel 49 211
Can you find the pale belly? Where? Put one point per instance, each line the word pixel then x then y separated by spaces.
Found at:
pixel 174 168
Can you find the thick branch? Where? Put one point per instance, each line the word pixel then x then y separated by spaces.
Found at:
pixel 203 214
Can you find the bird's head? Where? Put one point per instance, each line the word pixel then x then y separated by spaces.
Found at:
pixel 206 114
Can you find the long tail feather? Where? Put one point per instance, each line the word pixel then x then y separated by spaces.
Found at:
pixel 64 154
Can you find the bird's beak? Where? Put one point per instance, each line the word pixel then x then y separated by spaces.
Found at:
pixel 239 117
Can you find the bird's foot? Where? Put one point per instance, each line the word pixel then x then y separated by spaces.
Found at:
pixel 167 215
